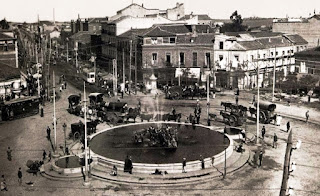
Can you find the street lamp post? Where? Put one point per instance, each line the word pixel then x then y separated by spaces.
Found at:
pixel 208 98
pixel 86 180
pixel 274 72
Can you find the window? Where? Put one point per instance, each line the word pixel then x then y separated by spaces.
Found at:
pixel 264 56
pixel 283 53
pixel 237 57
pixel 271 53
pixel 221 45
pixel 168 58
pixel 94 28
pixel 154 58
pixel 147 41
pixel 277 53
pixel 165 40
pixel 252 57
pixel 297 48
pixel 181 59
pixel 172 40
pixel 153 40
pixel 195 59
pixel 208 59
pixel 220 57
pixel 258 56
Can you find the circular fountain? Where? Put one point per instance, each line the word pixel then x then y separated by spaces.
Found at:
pixel 113 145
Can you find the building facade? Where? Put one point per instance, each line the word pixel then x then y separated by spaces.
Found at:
pixel 238 57
pixel 309 28
pixel 169 51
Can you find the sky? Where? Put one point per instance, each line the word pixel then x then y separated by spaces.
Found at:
pixel 65 10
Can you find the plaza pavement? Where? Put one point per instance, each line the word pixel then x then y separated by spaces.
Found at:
pixel 27 138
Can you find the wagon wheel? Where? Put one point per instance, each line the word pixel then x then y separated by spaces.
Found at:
pixel 262 117
pixel 233 120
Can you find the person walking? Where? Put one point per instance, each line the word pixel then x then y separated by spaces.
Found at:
pixel 20 176
pixel 65 84
pixel 9 154
pixel 253 99
pixel 237 99
pixel 44 155
pixel 307 116
pixel 184 164
pixel 260 158
pixel 202 162
pixel 48 133
pixel 275 141
pixel 41 110
pixel 49 156
pixel 288 126
pixel 3 185
pixel 263 132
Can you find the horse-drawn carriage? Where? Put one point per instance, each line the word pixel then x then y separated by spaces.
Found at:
pixel 77 129
pixel 113 112
pixel 74 105
pixel 96 101
pixel 168 117
pixel 266 113
pixel 234 115
pixel 178 92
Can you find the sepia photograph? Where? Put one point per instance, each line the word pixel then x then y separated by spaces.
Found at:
pixel 147 97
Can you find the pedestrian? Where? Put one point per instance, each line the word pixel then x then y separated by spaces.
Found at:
pixel 20 176
pixel 184 164
pixel 65 85
pixel 122 94
pixel 307 116
pixel 288 126
pixel 3 185
pixel 244 137
pixel 237 99
pixel 48 133
pixel 263 131
pixel 50 156
pixel 212 161
pixel 9 155
pixel 253 99
pixel 60 89
pixel 275 140
pixel 260 158
pixel 44 155
pixel 41 110
pixel 202 162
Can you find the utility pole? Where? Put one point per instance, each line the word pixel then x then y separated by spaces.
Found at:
pixel 258 103
pixel 285 176
pixel 274 72
pixel 225 163
pixel 130 66
pixel 86 176
pixel 48 77
pixel 67 50
pixel 76 50
pixel 115 76
pixel 123 69
pixel 135 67
pixel 54 113
pixel 208 97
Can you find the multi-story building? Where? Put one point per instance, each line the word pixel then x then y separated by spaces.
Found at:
pixel 170 50
pixel 139 11
pixel 239 54
pixel 309 28
pixel 308 61
pixel 10 78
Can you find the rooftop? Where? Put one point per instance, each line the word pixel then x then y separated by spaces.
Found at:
pixel 8 72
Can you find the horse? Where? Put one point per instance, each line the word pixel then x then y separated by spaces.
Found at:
pixel 168 117
pixel 132 113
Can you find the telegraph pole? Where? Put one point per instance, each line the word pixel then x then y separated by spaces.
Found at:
pixel 123 69
pixel 135 67
pixel 208 97
pixel 86 176
pixel 130 65
pixel 274 72
pixel 54 113
pixel 258 103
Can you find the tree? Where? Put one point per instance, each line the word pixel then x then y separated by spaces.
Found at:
pixel 290 85
pixel 236 24
pixel 307 82
pixel 4 24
